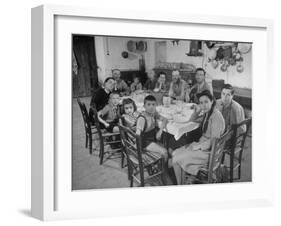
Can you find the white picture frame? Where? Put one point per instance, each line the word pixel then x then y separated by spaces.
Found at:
pixel 52 197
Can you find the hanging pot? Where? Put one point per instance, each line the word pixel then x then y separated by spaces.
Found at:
pixel 240 68
pixel 215 64
pixel 131 46
pixel 237 56
pixel 141 46
pixel 224 67
pixel 244 47
pixel 125 54
pixel 232 61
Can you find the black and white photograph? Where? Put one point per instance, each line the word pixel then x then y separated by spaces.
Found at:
pixel 160 112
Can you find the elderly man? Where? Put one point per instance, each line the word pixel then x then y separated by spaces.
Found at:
pixel 120 86
pixel 177 86
pixel 201 85
pixel 232 111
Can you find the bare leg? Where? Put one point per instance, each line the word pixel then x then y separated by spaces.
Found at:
pixel 154 147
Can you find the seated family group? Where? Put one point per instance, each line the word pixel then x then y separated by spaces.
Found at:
pixel 191 153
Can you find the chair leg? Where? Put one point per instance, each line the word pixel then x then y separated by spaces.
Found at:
pixel 90 141
pixel 239 171
pixel 231 167
pixel 101 152
pixel 129 172
pixel 222 158
pixel 86 145
pixel 164 173
pixel 122 159
pixel 240 163
pixel 131 182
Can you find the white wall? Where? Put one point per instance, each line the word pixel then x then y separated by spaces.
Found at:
pixel 109 55
pixel 177 53
pixel 174 53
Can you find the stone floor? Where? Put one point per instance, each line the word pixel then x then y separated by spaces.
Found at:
pixel 87 173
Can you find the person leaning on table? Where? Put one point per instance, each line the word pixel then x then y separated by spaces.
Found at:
pixel 177 86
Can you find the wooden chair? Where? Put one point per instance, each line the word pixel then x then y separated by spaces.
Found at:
pixel 107 138
pixel 215 171
pixel 143 167
pixel 235 148
pixel 90 128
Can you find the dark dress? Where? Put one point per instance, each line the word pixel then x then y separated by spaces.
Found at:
pixel 99 101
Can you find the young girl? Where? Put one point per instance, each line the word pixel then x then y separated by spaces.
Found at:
pixel 136 85
pixel 108 116
pixel 196 155
pixel 130 113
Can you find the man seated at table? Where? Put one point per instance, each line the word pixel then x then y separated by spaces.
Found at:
pixel 161 85
pixel 121 86
pixel 177 87
pixel 200 86
pixel 151 81
pixel 232 111
pixel 147 125
pixel 101 97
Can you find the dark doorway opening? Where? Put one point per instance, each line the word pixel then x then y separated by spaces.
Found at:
pixel 85 77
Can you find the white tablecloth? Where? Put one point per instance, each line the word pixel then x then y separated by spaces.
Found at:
pixel 177 114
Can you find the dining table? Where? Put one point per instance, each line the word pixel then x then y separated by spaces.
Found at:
pixel 178 114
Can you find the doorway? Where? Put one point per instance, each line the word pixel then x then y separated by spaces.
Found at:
pixel 85 77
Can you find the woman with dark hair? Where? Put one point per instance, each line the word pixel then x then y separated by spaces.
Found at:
pixel 195 156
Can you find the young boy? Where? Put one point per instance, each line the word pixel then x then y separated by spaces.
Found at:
pixel 147 125
pixel 108 116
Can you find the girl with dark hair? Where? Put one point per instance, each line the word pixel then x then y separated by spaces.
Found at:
pixel 195 156
pixel 129 113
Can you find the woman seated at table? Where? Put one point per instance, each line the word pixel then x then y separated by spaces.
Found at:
pixel 161 85
pixel 177 87
pixel 195 156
